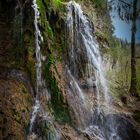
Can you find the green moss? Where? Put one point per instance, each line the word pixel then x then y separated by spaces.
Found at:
pixel 58 3
pixel 16 115
pixel 54 4
pixel 136 115
pixel 50 32
pixel 24 90
pixel 100 4
pixel 31 43
pixel 48 130
pixel 47 31
pixel 57 101
pixel 60 109
pixel 41 10
pixel 27 126
pixel 17 41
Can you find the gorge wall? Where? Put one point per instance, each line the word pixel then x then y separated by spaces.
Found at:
pixel 18 70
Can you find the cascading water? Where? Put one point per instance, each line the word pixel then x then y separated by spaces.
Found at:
pixel 38 40
pixel 85 62
pixel 80 42
pixel 77 102
pixel 79 28
pixel 40 109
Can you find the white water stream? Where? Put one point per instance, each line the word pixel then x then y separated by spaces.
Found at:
pixel 79 31
pixel 79 25
pixel 40 108
pixel 38 41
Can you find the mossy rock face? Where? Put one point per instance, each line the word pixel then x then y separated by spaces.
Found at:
pixel 44 128
pixel 52 47
pixel 136 115
pixel 57 103
pixel 16 108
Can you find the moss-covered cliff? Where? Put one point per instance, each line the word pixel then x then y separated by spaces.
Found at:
pixel 18 65
pixel 16 98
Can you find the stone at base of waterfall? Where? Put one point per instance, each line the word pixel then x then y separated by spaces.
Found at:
pixel 33 136
pixel 88 83
pixel 117 127
pixel 69 133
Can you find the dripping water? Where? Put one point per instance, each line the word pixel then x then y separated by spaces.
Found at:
pixel 38 41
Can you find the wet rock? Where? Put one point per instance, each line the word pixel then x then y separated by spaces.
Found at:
pixel 124 99
pixel 15 106
pixel 123 128
pixel 20 76
pixel 43 128
pixel 112 127
pixel 88 83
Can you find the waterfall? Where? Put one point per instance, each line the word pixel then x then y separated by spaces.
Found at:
pixel 40 116
pixel 87 89
pixel 85 62
pixel 40 83
pixel 77 102
pixel 38 41
pixel 88 93
pixel 80 32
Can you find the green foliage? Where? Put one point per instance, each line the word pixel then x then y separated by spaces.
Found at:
pixel 120 73
pixel 117 51
pixel 101 4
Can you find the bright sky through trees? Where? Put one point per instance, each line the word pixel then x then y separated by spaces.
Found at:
pixel 123 29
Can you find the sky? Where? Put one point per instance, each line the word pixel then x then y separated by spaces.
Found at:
pixel 123 29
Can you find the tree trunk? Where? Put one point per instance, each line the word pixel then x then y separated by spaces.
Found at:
pixel 133 86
